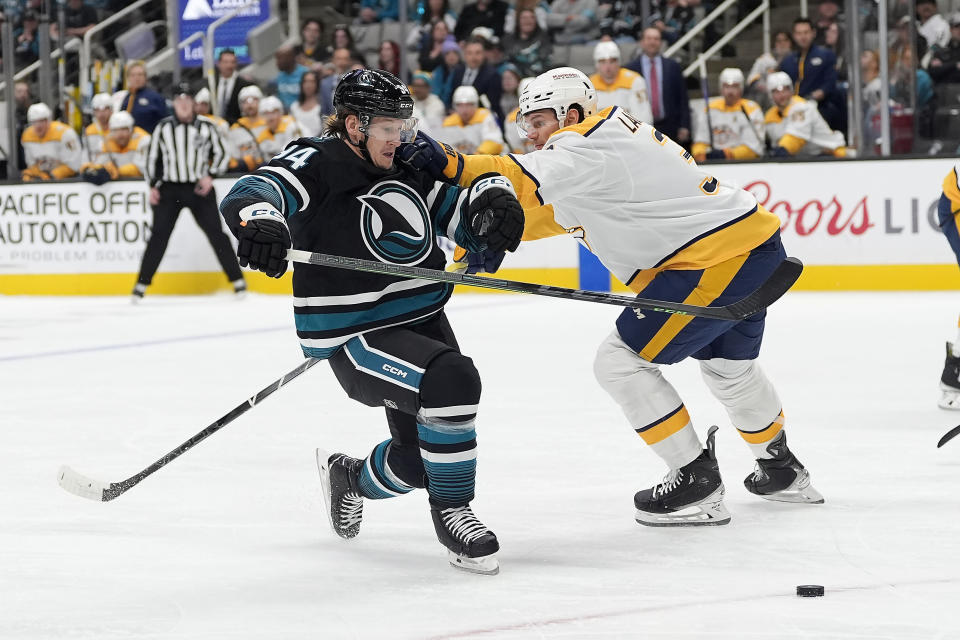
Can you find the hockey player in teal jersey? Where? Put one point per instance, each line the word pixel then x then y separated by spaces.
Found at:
pixel 386 337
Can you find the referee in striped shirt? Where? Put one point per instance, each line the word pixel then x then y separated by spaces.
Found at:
pixel 186 151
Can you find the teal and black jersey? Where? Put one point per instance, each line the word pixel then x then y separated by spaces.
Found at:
pixel 337 203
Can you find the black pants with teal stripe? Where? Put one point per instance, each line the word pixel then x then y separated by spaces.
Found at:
pixel 665 338
pixel 410 370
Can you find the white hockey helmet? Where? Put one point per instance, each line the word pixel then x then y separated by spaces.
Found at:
pixel 779 80
pixel 121 120
pixel 250 92
pixel 731 75
pixel 465 94
pixel 37 112
pixel 606 50
pixel 270 103
pixel 101 101
pixel 558 89
pixel 202 96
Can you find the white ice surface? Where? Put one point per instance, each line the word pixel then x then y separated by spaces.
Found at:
pixel 230 541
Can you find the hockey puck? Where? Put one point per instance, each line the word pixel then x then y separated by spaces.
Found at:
pixel 809 590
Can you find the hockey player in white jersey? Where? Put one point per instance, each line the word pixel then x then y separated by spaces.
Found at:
pixel 669 231
pixel 471 128
pixel 949 214
pixel 795 126
pixel 617 86
pixel 730 127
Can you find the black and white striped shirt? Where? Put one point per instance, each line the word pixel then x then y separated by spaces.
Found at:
pixel 184 152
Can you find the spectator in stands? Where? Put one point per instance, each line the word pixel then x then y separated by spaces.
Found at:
pixel 573 21
pixel 618 86
pixel 124 154
pixel 202 107
pixel 933 26
pixel 372 11
pixel 145 105
pixel 342 39
pixel 540 9
pixel 481 13
pixel 431 12
pixel 79 18
pixel 480 75
pixel 813 68
pixel 870 75
pixel 306 110
pixel 95 134
pixel 342 62
pixel 428 108
pixel 389 57
pixel 510 83
pixel 492 49
pixel 243 144
pixel 731 127
pixel 766 64
pixel 529 48
pixel 431 50
pixel 289 72
pixel 27 44
pixel 795 127
pixel 228 84
pixel 471 129
pixel 51 149
pixel 279 130
pixel 828 14
pixel 311 51
pixel 666 87
pixel 833 40
pixel 945 64
pixel 442 82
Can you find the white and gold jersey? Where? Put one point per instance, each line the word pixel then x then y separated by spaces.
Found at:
pixel 272 142
pixel 800 129
pixel 56 153
pixel 93 138
pixel 480 135
pixel 631 195
pixel 242 143
pixel 628 90
pixel 131 159
pixel 951 187
pixel 737 130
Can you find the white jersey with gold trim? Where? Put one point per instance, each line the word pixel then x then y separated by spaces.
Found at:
pixel 480 135
pixel 802 121
pixel 738 127
pixel 628 90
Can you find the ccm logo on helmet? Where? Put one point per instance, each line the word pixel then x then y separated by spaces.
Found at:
pixel 393 370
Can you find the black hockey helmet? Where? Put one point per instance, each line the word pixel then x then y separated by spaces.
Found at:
pixel 373 92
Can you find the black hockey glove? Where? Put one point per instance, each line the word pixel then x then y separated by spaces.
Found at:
pixel 495 216
pixel 426 154
pixel 263 245
pixel 716 154
pixel 779 152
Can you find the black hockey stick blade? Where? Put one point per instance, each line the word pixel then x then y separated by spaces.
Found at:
pixel 769 292
pixel 85 487
pixel 948 436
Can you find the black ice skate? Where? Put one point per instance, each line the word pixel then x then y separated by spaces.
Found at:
pixel 470 545
pixel 782 478
pixel 339 475
pixel 950 381
pixel 689 496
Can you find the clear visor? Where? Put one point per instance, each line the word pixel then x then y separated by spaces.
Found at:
pixel 393 129
pixel 535 120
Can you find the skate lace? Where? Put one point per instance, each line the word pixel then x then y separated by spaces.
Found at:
pixel 462 524
pixel 670 482
pixel 758 473
pixel 351 509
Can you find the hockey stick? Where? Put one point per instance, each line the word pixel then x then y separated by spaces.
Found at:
pixel 80 485
pixel 705 90
pixel 948 436
pixel 769 292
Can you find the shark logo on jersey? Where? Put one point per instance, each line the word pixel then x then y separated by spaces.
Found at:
pixel 395 223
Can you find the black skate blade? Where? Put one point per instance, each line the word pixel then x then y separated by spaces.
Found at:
pixel 484 565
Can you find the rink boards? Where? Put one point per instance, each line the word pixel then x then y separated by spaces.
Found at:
pixel 857 225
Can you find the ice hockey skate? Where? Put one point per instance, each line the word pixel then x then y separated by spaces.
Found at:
pixel 470 545
pixel 782 478
pixel 950 381
pixel 689 496
pixel 339 475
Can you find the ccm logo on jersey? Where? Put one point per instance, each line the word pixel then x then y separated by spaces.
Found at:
pixel 393 370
